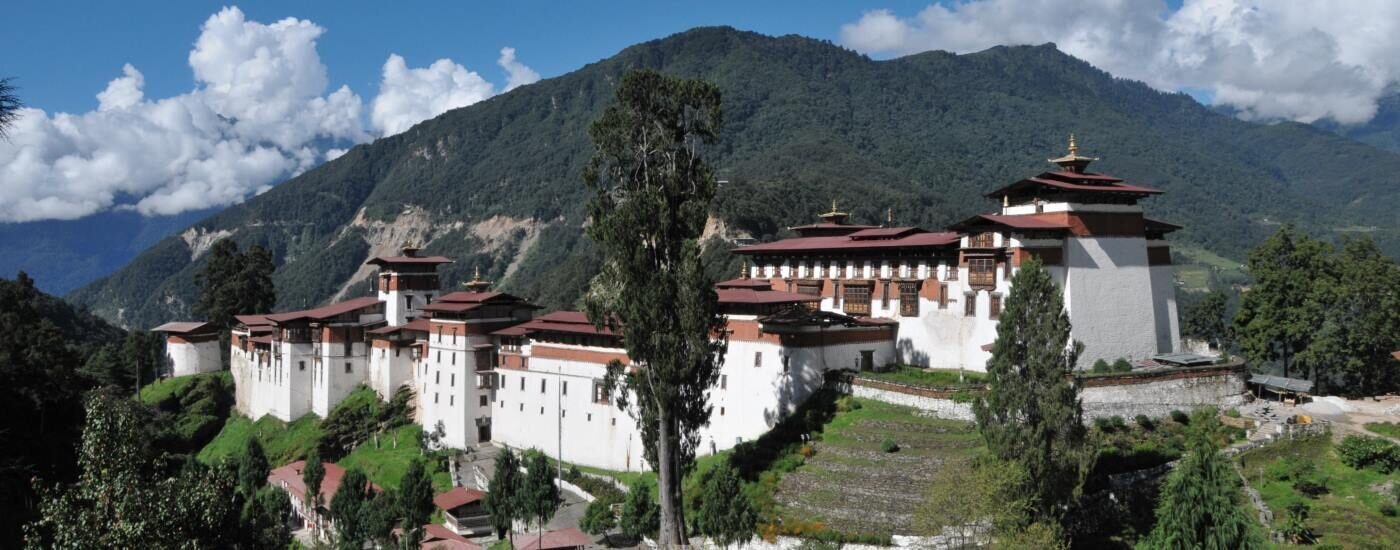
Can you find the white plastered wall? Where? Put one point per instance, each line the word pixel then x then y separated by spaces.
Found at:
pixel 1109 295
pixel 188 358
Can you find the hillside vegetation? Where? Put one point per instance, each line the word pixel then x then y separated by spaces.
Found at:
pixel 497 185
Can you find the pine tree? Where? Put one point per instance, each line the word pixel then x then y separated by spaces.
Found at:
pixel 539 496
pixel 252 468
pixel 651 197
pixel 346 510
pixel 725 514
pixel 598 519
pixel 1200 505
pixel 218 301
pixel 640 514
pixel 1032 413
pixel 502 501
pixel 1280 313
pixel 416 497
pixel 1206 320
pixel 311 476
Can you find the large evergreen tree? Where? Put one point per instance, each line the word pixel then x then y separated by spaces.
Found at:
pixel 1207 321
pixel 1200 505
pixel 1032 413
pixel 1280 313
pixel 640 515
pixel 311 476
pixel 416 497
pixel 252 468
pixel 539 496
pixel 502 501
pixel 651 197
pixel 352 531
pixel 1361 321
pixel 725 514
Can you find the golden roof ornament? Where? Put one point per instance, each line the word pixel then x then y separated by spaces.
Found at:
pixel 744 269
pixel 1072 161
pixel 476 284
pixel 834 216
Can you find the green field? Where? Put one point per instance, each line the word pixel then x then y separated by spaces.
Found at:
pixel 161 390
pixel 1201 265
pixel 283 442
pixel 851 485
pixel 386 461
pixel 1348 516
pixel 1387 429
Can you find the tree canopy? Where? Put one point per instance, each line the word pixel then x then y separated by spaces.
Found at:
pixel 1200 504
pixel 1032 413
pixel 651 197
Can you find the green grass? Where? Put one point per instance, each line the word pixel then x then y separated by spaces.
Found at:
pixel 1195 273
pixel 1348 516
pixel 932 378
pixel 1388 429
pixel 851 488
pixel 386 463
pixel 161 390
pixel 281 441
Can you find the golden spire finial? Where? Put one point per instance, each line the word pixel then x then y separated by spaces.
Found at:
pixel 476 273
pixel 1073 148
pixel 889 216
pixel 833 204
pixel 744 269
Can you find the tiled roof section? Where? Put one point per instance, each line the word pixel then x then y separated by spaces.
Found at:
pixel 756 284
pixel 569 537
pixel 752 296
pixel 420 325
pixel 325 312
pixel 570 322
pixel 1033 222
pixel 432 260
pixel 845 242
pixel 291 476
pixel 252 320
pixel 803 316
pixel 451 307
pixel 265 339
pixel 185 327
pixel 1281 383
pixel 1070 181
pixel 437 537
pixel 885 233
pixel 458 496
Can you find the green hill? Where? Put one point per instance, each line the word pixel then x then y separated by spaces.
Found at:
pixel 496 185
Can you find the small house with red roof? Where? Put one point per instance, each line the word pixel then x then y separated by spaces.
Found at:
pixel 290 478
pixel 463 511
pixel 569 538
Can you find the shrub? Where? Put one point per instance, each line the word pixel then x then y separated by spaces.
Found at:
pixel 1290 468
pixel 1181 417
pixel 847 404
pixel 806 451
pixel 1388 510
pixel 889 446
pixel 1359 451
pixel 1144 422
pixel 1232 412
pixel 1109 424
pixel 1100 367
pixel 1122 365
pixel 1311 488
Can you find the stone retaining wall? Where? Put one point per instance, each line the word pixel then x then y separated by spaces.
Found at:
pixel 939 403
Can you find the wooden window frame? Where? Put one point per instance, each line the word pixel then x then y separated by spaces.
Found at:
pixel 909 298
pixel 982 272
pixel 970 304
pixel 853 303
pixel 993 305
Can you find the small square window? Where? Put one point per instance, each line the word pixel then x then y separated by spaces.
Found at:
pixel 347 367
pixel 721 411
pixel 435 397
pixel 453 380
pixel 614 421
pixel 451 400
pixel 301 365
pixel 482 402
pixel 563 413
pixel 522 407
pixel 757 359
pixel 564 389
pixel 541 410
pixel 590 417
pixel 724 381
pixel 541 385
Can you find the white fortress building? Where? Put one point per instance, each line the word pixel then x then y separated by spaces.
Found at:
pixel 483 367
pixel 946 289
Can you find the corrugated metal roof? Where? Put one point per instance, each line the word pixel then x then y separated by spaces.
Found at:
pixel 1279 382
pixel 1184 359
pixel 326 311
pixel 185 327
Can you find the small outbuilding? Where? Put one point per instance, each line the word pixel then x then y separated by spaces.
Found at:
pixel 463 511
pixel 1293 390
pixel 191 347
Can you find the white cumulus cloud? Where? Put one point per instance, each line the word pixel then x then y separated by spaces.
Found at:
pixel 517 73
pixel 1296 60
pixel 259 113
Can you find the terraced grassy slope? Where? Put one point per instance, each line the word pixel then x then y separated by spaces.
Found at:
pixel 851 485
pixel 1349 515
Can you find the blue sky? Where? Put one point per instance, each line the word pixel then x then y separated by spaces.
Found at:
pixel 67 52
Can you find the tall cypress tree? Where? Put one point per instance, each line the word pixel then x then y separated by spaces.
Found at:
pixel 218 299
pixel 416 497
pixel 1200 505
pixel 1032 414
pixel 651 197
pixel 502 501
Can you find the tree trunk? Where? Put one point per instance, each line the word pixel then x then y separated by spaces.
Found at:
pixel 668 484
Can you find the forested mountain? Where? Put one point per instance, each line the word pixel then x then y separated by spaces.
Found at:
pixel 1382 131
pixel 497 185
pixel 62 255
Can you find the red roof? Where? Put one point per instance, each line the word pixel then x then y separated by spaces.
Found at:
pixel 253 320
pixel 289 477
pixel 569 537
pixel 751 296
pixel 756 284
pixel 571 322
pixel 265 339
pixel 451 307
pixel 1070 181
pixel 845 242
pixel 325 312
pixel 1158 225
pixel 185 327
pixel 384 260
pixel 1022 221
pixel 885 232
pixel 420 325
pixel 458 496
pixel 435 537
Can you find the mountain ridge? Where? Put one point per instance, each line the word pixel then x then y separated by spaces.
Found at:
pixel 805 122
